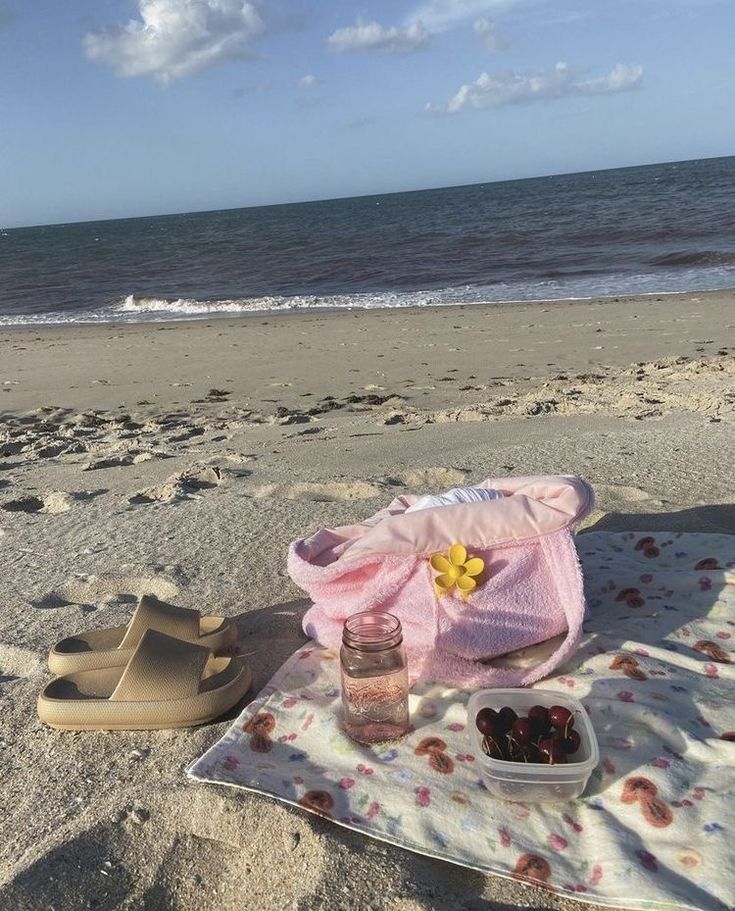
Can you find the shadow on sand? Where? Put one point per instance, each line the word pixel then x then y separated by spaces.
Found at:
pixel 715 519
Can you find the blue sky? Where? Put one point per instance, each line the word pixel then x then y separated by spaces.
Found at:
pixel 131 107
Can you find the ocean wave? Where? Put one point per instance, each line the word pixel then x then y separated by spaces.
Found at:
pixel 139 304
pixel 578 285
pixel 133 303
pixel 133 308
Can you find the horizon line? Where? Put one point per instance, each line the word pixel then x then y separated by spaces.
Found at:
pixel 298 202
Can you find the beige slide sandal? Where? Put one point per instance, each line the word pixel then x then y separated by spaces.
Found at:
pixel 114 647
pixel 166 684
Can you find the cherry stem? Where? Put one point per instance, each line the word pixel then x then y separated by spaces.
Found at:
pixel 486 740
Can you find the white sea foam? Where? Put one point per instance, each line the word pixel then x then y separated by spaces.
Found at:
pixel 153 308
pixel 274 303
pixel 576 288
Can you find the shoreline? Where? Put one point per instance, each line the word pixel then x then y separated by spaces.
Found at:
pixel 324 311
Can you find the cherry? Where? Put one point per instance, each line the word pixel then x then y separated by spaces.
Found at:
pixel 558 756
pixel 486 721
pixel 539 716
pixel 506 717
pixel 522 731
pixel 552 752
pixel 545 747
pixel 561 718
pixel 571 743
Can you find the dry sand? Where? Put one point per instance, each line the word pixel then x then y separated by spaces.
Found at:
pixel 182 458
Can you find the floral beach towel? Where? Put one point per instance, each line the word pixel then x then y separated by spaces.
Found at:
pixel 655 827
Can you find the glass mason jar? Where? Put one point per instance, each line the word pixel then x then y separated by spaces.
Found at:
pixel 374 678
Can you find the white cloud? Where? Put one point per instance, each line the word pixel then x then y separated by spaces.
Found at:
pixel 308 81
pixel 509 87
pixel 440 15
pixel 487 31
pixel 175 38
pixel 621 77
pixel 372 36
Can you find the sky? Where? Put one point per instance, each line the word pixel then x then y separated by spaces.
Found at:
pixel 117 108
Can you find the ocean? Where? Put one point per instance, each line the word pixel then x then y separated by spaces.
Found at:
pixel 657 228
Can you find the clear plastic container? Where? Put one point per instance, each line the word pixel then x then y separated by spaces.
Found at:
pixel 533 782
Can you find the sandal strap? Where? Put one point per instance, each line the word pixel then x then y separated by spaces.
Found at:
pixel 162 668
pixel 179 622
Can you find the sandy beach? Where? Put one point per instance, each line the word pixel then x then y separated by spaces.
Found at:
pixel 182 458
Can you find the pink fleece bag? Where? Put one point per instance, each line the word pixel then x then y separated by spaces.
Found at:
pixel 530 589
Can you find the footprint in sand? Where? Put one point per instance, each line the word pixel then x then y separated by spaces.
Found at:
pixel 161 493
pixel 89 494
pixel 236 471
pixel 618 499
pixel 328 492
pixel 238 458
pixel 200 478
pixel 10 449
pixel 110 462
pixel 619 494
pixel 134 457
pixel 89 589
pixel 181 486
pixel 187 434
pixel 56 449
pixel 50 504
pixel 18 663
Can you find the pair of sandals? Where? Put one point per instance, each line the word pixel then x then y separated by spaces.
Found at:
pixel 161 670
